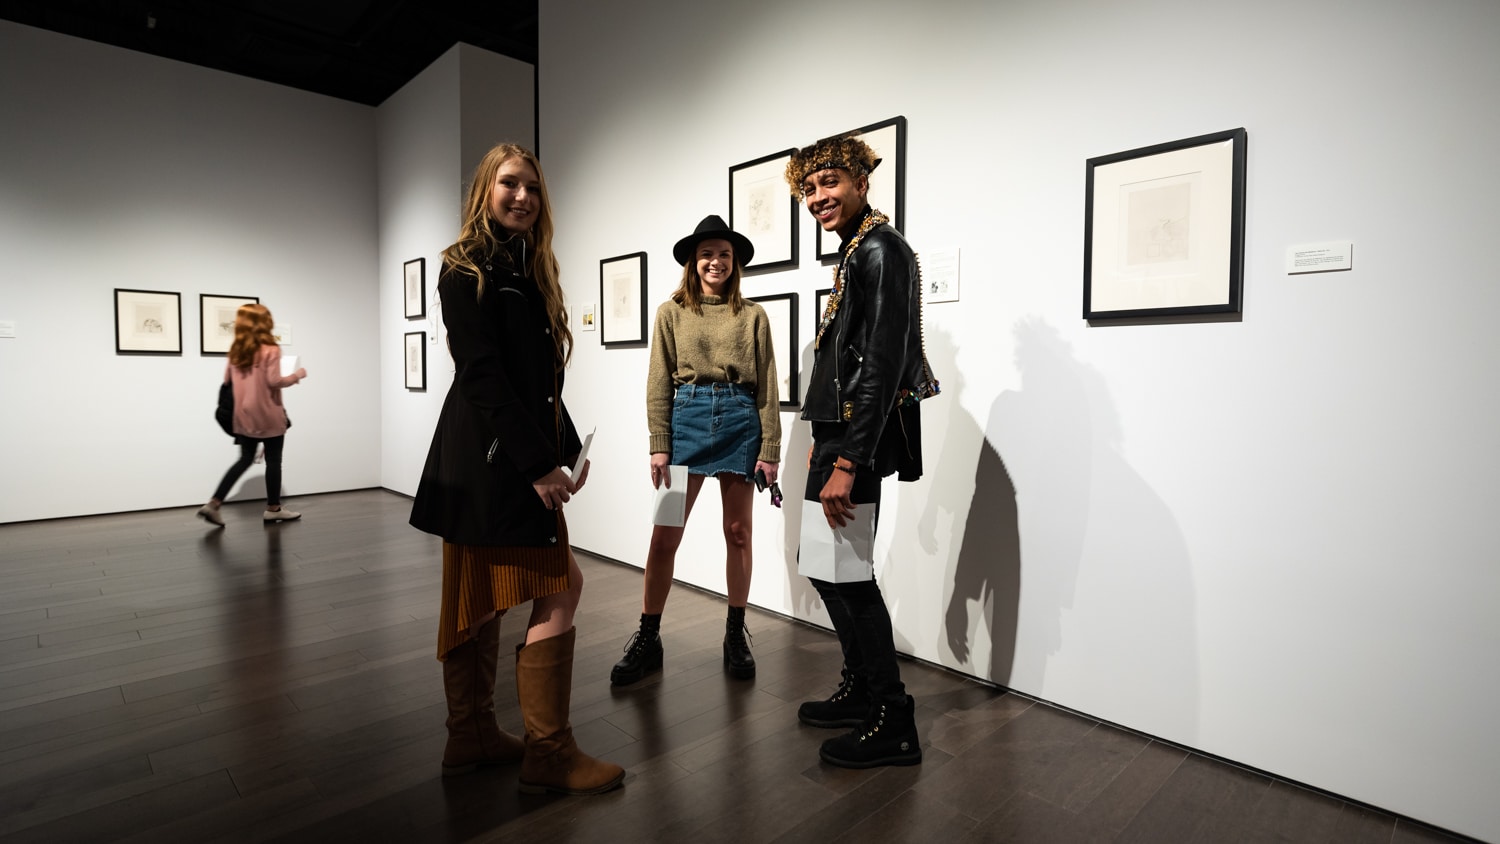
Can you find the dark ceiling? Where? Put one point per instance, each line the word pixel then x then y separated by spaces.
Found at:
pixel 359 50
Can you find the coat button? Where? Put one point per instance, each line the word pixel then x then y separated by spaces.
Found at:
pixel 549 400
pixel 546 331
pixel 553 540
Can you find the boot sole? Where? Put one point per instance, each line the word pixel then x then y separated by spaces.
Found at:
pixel 884 761
pixel 618 678
pixel 739 673
pixel 534 788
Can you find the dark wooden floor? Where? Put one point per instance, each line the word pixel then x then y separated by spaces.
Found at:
pixel 160 681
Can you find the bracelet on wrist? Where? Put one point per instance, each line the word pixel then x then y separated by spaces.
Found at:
pixel 847 467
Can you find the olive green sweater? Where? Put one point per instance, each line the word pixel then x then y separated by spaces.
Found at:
pixel 717 347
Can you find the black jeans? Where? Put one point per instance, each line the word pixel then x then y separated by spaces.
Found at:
pixel 247 456
pixel 858 611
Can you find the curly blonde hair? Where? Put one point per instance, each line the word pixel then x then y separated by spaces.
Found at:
pixel 844 152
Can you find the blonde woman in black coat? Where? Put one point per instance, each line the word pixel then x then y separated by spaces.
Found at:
pixel 494 487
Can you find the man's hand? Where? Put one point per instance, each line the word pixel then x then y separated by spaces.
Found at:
pixel 838 507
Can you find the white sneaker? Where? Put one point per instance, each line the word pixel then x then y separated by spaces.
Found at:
pixel 210 513
pixel 282 515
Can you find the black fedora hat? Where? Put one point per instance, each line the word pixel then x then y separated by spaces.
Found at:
pixel 713 227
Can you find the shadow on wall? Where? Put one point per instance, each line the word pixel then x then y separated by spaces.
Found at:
pixel 981 517
pixel 1108 620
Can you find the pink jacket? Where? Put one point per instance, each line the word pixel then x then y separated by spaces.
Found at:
pixel 257 394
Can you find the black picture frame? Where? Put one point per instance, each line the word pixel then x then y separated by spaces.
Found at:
pixel 414 361
pixel 148 322
pixel 1164 229
pixel 414 288
pixel 622 300
pixel 887 184
pixel 216 316
pixel 762 209
pixel 781 310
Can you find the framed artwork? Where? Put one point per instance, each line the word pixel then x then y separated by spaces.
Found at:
pixel 762 209
pixel 147 322
pixel 1164 229
pixel 216 321
pixel 414 276
pixel 781 310
pixel 586 321
pixel 416 360
pixel 622 297
pixel 821 299
pixel 887 184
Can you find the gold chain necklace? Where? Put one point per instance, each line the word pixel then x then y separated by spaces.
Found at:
pixel 875 219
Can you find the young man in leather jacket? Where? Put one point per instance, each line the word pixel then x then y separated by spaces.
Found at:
pixel 862 402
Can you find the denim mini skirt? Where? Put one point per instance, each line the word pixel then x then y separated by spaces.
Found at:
pixel 715 428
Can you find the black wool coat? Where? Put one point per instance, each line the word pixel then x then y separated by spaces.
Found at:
pixel 503 425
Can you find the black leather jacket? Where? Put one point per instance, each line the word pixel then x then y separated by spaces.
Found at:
pixel 871 352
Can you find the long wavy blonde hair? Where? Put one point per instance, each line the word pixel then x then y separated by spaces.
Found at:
pixel 252 329
pixel 480 235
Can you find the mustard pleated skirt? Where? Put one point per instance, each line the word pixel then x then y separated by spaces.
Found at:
pixel 480 579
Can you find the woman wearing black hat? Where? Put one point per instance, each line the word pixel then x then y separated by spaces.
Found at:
pixel 711 405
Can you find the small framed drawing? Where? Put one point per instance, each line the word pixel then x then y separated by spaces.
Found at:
pixel 781 310
pixel 416 360
pixel 147 322
pixel 821 299
pixel 762 209
pixel 586 320
pixel 887 184
pixel 622 297
pixel 414 284
pixel 1164 229
pixel 216 321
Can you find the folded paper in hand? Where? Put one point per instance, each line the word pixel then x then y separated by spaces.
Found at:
pixel 837 555
pixel 670 507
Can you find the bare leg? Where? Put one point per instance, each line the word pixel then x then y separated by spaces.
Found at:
pixel 661 557
pixel 738 498
pixel 553 615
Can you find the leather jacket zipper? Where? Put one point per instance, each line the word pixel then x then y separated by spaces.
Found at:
pixel 489 456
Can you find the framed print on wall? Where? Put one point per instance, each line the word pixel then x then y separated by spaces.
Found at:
pixel 820 299
pixel 414 278
pixel 762 209
pixel 216 321
pixel 781 310
pixel 416 360
pixel 147 322
pixel 622 300
pixel 887 184
pixel 1164 229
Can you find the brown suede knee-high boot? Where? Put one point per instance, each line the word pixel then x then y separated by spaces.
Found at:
pixel 474 738
pixel 553 762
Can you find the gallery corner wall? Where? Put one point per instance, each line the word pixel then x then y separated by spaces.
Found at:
pixel 123 170
pixel 431 135
pixel 1259 537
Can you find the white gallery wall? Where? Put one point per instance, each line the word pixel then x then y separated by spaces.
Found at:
pixel 432 134
pixel 1262 538
pixel 123 170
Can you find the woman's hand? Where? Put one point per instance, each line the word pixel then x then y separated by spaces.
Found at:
pixel 770 469
pixel 300 373
pixel 583 476
pixel 659 473
pixel 555 488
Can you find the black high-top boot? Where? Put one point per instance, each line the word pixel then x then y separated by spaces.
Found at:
pixel 643 653
pixel 738 662
pixel 887 737
pixel 846 707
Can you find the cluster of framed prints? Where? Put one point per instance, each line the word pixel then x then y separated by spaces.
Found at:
pixel 763 209
pixel 414 344
pixel 149 322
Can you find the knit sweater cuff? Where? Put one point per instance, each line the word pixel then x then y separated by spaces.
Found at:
pixel 770 451
pixel 662 443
